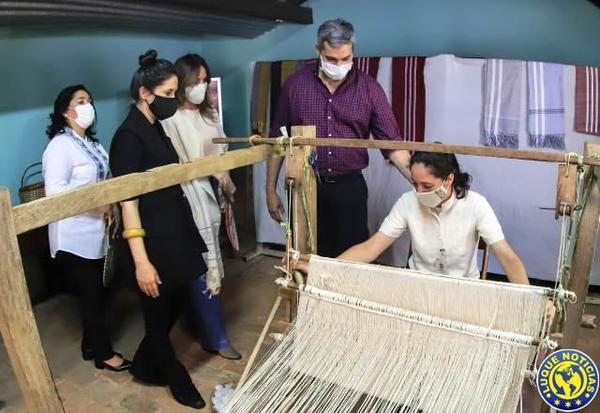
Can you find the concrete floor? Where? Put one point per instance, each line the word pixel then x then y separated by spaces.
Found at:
pixel 249 292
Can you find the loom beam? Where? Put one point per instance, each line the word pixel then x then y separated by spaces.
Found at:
pixel 525 155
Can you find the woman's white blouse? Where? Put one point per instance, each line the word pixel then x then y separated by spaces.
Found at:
pixel 67 164
pixel 444 240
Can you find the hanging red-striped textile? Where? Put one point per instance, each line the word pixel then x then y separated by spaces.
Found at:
pixel 408 96
pixel 587 100
pixel 369 65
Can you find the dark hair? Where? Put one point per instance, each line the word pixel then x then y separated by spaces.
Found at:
pixel 187 68
pixel 61 105
pixel 442 165
pixel 151 73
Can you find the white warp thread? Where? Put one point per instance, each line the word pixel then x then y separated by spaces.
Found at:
pixel 350 358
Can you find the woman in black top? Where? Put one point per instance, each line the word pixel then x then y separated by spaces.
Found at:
pixel 163 248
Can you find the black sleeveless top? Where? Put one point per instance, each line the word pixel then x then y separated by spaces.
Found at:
pixel 173 243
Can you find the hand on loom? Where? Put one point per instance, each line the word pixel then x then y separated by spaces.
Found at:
pixel 275 205
pixel 226 185
pixel 104 211
pixel 299 265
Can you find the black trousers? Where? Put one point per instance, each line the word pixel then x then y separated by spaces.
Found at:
pixel 85 276
pixel 341 213
pixel 155 356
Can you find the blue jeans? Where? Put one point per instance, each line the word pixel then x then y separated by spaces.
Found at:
pixel 206 317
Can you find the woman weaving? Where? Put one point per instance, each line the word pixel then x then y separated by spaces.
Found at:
pixel 445 220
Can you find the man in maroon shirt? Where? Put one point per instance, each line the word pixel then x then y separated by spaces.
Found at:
pixel 343 102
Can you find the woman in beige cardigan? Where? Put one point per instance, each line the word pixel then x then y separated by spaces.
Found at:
pixel 191 130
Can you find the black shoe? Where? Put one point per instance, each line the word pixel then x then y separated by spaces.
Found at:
pixel 151 379
pixel 87 353
pixel 190 398
pixel 101 365
pixel 228 353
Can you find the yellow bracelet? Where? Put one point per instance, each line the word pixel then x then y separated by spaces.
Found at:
pixel 134 233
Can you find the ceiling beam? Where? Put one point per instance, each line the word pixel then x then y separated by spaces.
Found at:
pixel 81 19
pixel 263 9
pixel 225 17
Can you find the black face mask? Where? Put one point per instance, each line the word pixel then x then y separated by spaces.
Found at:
pixel 163 107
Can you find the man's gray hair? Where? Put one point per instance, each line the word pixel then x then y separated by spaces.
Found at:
pixel 336 32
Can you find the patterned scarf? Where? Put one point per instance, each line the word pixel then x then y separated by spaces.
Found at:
pixel 94 153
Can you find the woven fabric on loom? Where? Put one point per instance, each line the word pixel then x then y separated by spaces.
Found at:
pixel 377 339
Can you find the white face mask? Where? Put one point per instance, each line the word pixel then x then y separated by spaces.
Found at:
pixel 85 115
pixel 335 72
pixel 196 94
pixel 433 198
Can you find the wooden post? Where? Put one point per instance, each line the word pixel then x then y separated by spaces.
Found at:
pixel 304 197
pixel 566 192
pixel 17 323
pixel 583 256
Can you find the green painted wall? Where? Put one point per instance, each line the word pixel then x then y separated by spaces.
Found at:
pixel 36 65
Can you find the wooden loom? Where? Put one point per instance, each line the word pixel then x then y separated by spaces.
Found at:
pixel 566 202
pixel 17 323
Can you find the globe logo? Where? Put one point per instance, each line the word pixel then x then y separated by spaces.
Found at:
pixel 567 380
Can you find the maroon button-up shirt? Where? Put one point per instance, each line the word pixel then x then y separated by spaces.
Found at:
pixel 356 109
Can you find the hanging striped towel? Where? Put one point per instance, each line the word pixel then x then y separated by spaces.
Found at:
pixel 260 98
pixel 254 98
pixel 288 68
pixel 275 86
pixel 587 100
pixel 502 102
pixel 546 110
pixel 369 65
pixel 408 96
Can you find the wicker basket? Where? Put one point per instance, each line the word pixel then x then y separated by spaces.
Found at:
pixel 31 192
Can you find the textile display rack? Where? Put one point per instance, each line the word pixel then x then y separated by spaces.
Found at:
pixel 17 323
